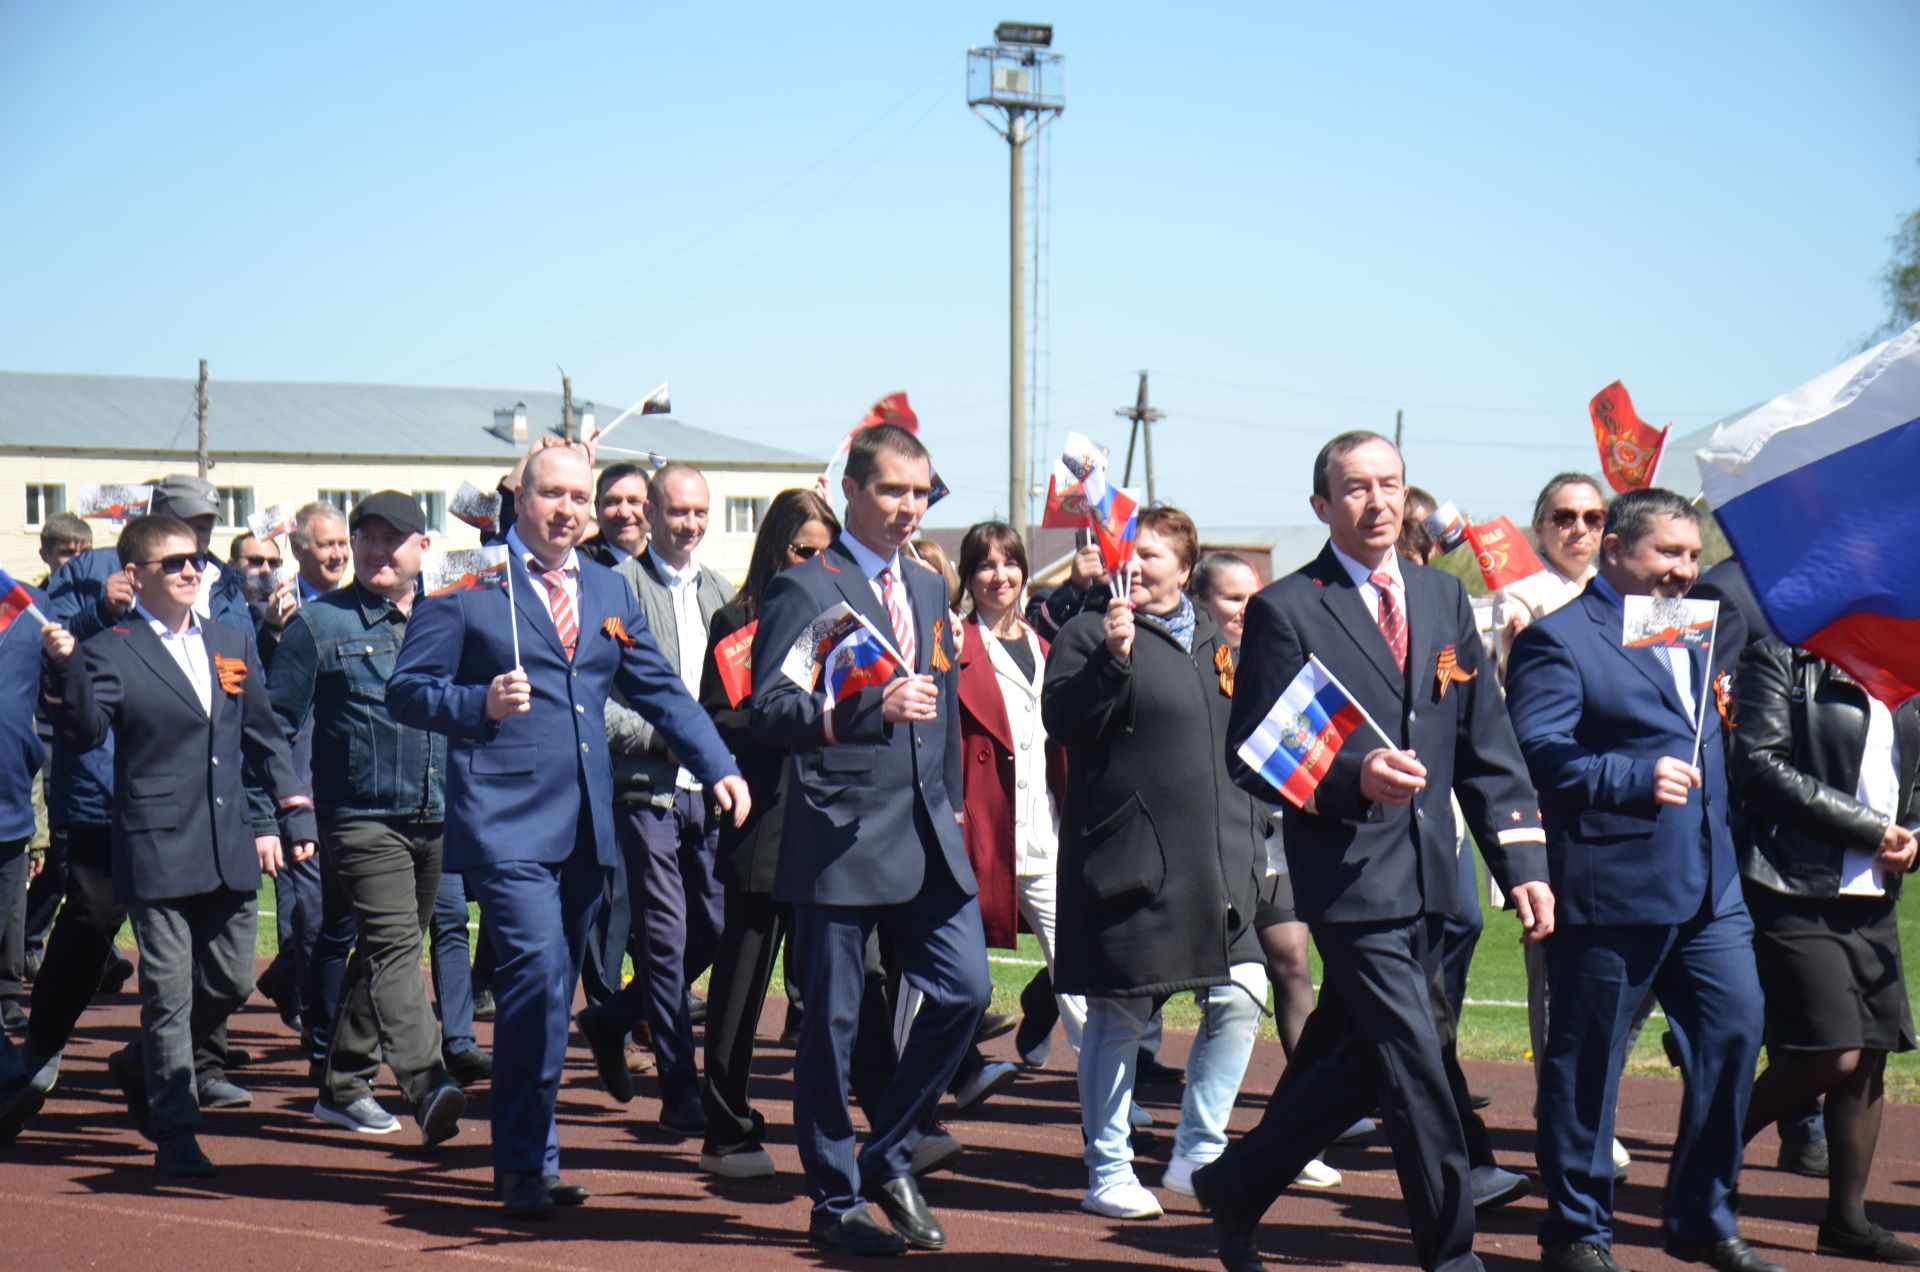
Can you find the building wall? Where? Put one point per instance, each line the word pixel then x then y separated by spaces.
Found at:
pixel 300 481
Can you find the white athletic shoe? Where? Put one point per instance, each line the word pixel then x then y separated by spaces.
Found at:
pixel 1139 1115
pixel 1125 1199
pixel 1621 1158
pixel 1179 1176
pixel 1358 1131
pixel 1317 1174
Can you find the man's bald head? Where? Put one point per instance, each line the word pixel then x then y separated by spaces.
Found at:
pixel 570 455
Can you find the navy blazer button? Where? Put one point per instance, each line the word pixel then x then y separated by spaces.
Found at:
pixel 583 747
pixel 219 802
pixel 1412 716
pixel 216 761
pixel 577 707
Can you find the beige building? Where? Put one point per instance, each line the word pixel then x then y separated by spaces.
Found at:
pixel 291 443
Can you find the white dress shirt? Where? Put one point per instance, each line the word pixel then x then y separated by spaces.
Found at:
pixel 569 573
pixel 188 649
pixel 1363 579
pixel 690 632
pixel 1879 790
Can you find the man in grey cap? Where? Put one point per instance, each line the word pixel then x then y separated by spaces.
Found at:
pixel 378 793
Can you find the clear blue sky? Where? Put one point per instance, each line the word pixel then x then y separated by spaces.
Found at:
pixel 1298 217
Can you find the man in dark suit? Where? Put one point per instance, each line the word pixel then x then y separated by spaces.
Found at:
pixel 21 755
pixel 187 706
pixel 1372 854
pixel 872 839
pixel 1643 861
pixel 529 792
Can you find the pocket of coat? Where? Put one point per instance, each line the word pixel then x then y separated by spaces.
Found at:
pixel 1125 864
pixel 846 759
pixel 159 814
pixel 1612 824
pixel 503 761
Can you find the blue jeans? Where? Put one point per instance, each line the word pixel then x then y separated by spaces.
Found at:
pixel 1109 1059
pixel 1218 1061
pixel 452 963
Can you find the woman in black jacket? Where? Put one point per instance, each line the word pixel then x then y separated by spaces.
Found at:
pixel 798 525
pixel 1160 853
pixel 1824 776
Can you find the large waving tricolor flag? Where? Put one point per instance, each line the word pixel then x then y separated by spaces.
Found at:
pixel 15 600
pixel 1815 490
pixel 1294 746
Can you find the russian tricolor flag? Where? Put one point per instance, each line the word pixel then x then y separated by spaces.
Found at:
pixel 15 600
pixel 862 661
pixel 1294 746
pixel 1816 492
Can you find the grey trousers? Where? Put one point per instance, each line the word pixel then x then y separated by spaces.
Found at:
pixel 389 869
pixel 196 968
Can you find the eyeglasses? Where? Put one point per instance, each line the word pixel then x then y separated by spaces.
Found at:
pixel 257 561
pixel 804 551
pixel 1565 518
pixel 180 561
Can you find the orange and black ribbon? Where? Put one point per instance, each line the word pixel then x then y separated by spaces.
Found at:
pixel 941 661
pixel 233 673
pixel 1448 671
pixel 1223 663
pixel 1723 698
pixel 618 630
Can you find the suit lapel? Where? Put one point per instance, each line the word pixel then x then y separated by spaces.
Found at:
pixel 1423 623
pixel 530 596
pixel 590 613
pixel 1611 621
pixel 858 591
pixel 155 655
pixel 1342 599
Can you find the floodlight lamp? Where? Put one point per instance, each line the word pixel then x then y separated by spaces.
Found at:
pixel 1035 34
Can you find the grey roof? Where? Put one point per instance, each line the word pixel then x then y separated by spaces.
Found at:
pixel 50 413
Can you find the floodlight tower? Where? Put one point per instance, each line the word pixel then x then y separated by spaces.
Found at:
pixel 1017 77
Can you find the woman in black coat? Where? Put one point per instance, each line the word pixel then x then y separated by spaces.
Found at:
pixel 1160 853
pixel 798 525
pixel 1824 777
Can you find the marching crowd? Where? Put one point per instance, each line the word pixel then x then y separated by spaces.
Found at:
pixel 582 754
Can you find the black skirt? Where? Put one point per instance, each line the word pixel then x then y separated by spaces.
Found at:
pixel 1276 902
pixel 1831 971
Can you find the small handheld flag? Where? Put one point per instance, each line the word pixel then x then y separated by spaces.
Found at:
pixel 733 656
pixel 1673 622
pixel 468 570
pixel 1630 448
pixel 479 510
pixel 658 402
pixel 1294 746
pixel 803 663
pixel 1501 552
pixel 112 502
pixel 1446 527
pixel 860 661
pixel 15 600
pixel 271 523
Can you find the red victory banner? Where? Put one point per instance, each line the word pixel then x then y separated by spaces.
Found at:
pixel 733 657
pixel 1630 447
pixel 1502 552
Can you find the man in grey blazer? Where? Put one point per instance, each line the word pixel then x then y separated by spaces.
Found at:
pixel 663 895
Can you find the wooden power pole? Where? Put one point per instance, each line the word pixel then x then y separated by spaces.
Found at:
pixel 1396 428
pixel 200 409
pixel 566 407
pixel 1143 416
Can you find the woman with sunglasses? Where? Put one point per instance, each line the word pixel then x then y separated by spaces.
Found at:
pixel 797 527
pixel 1569 519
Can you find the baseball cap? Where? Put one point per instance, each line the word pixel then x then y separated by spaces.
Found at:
pixel 185 496
pixel 397 509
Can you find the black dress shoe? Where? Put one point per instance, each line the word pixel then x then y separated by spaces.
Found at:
pixel 1578 1256
pixel 1808 1157
pixel 696 1009
pixel 180 1157
pixel 283 993
pixel 684 1117
pixel 238 1057
pixel 130 1074
pixel 483 1005
pixel 1730 1254
pixel 18 1103
pixel 116 974
pixel 854 1232
pixel 564 1193
pixel 899 1198
pixel 609 1050
pixel 1150 1072
pixel 525 1196
pixel 216 1092
pixel 1476 1101
pixel 1875 1245
pixel 936 1151
pixel 993 1025
pixel 1233 1236
pixel 468 1065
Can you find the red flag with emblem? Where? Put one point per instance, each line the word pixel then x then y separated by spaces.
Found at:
pixel 1630 448
pixel 1502 552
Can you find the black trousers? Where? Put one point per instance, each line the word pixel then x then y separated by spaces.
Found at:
pixel 389 871
pixel 742 969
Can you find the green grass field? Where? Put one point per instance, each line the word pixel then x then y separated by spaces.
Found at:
pixel 1493 1027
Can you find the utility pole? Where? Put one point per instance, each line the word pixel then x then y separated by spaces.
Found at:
pixel 1011 76
pixel 566 406
pixel 1396 428
pixel 200 409
pixel 1143 415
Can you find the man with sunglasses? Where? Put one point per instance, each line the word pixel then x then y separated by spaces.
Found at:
pixel 254 560
pixel 187 706
pixel 87 595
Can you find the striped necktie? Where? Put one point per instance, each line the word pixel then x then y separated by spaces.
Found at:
pixel 560 605
pixel 1393 624
pixel 901 618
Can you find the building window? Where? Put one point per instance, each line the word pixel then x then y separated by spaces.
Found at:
pixel 344 500
pixel 44 502
pixel 744 515
pixel 236 505
pixel 433 506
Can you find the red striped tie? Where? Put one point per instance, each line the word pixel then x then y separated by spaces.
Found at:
pixel 902 620
pixel 560 605
pixel 1393 625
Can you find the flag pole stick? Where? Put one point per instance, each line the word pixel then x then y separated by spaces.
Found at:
pixel 35 611
pixel 1706 687
pixel 513 613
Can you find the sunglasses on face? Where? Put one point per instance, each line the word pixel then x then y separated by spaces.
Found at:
pixel 258 561
pixel 1566 518
pixel 179 561
pixel 803 551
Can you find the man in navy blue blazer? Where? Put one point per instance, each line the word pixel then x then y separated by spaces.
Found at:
pixel 21 755
pixel 529 791
pixel 1643 864
pixel 872 838
pixel 195 741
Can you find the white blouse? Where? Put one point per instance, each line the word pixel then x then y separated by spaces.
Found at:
pixel 1036 820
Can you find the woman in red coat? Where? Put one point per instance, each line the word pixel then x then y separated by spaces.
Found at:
pixel 1013 774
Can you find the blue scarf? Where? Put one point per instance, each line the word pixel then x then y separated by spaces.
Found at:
pixel 1178 624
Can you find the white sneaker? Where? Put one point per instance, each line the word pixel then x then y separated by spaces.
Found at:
pixel 1139 1115
pixel 1358 1131
pixel 1125 1199
pixel 1317 1174
pixel 1621 1158
pixel 1179 1176
pixel 1493 1187
pixel 363 1116
pixel 986 1080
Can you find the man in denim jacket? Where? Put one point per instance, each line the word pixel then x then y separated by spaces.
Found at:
pixel 378 792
